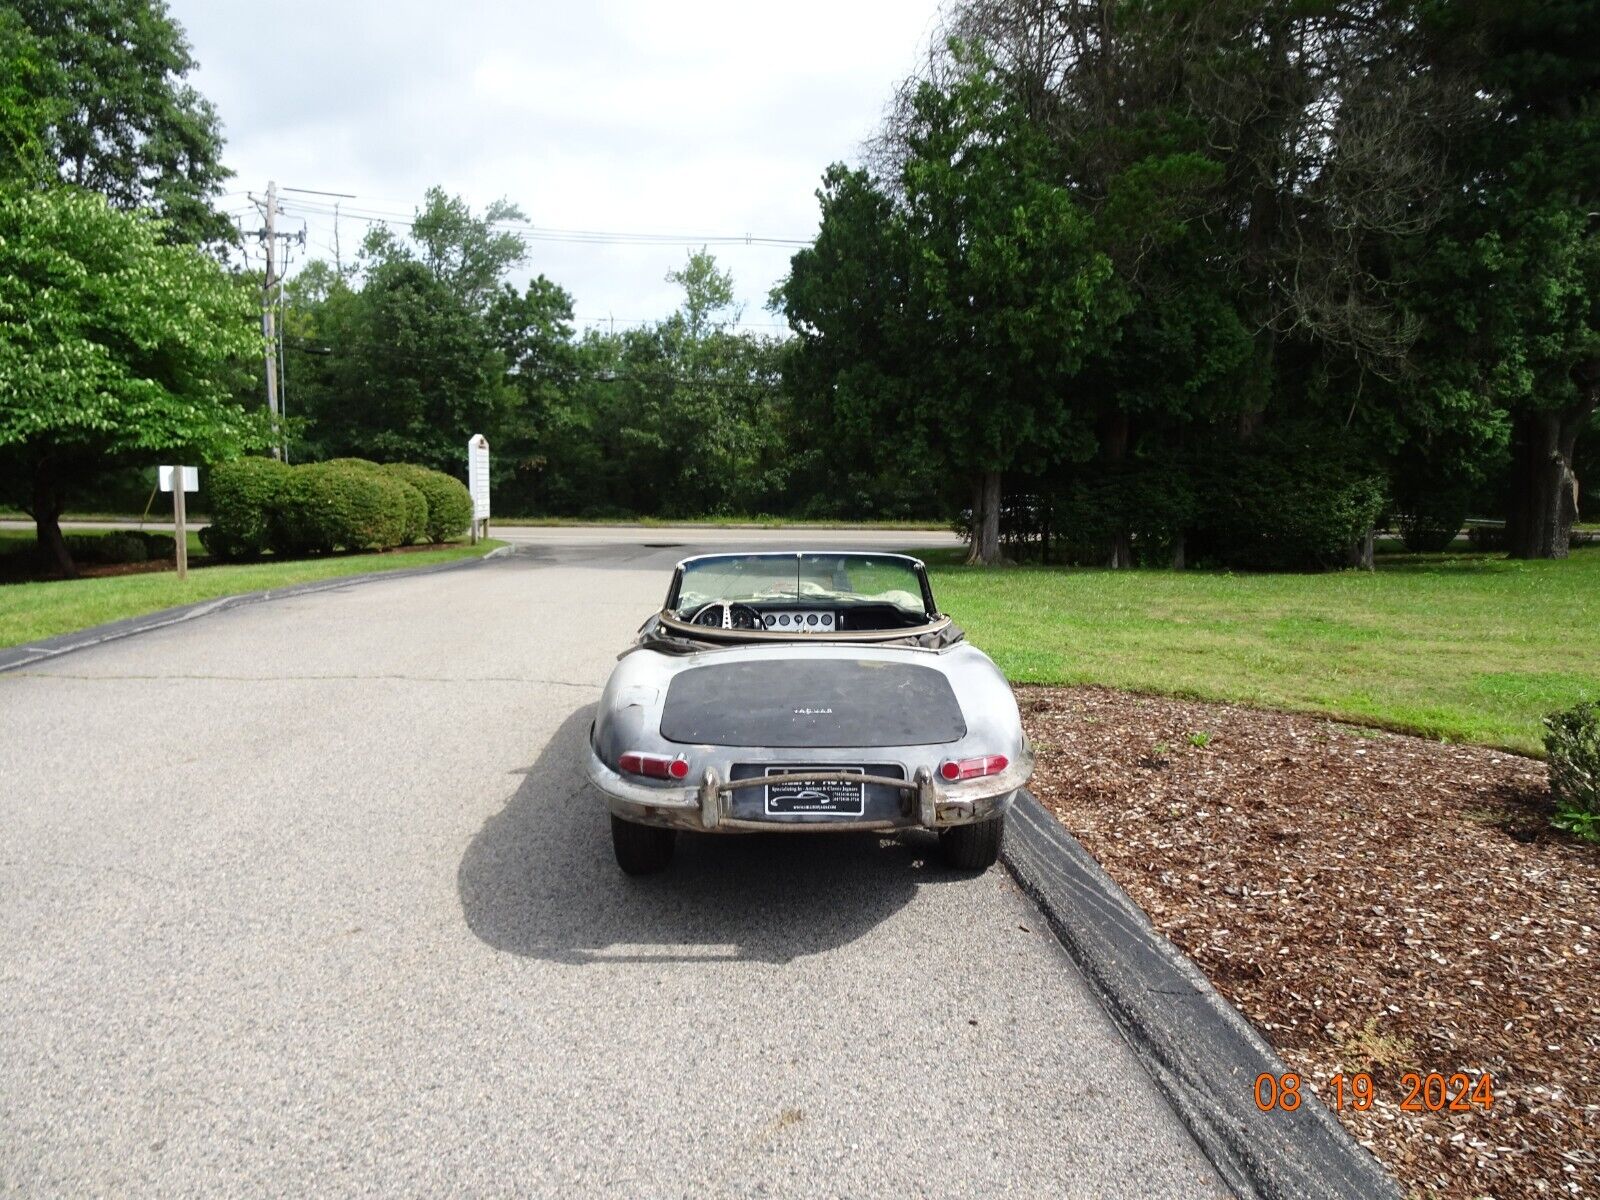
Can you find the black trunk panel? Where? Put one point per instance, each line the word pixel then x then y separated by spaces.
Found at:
pixel 812 703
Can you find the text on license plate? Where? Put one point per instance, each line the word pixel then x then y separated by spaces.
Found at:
pixel 833 797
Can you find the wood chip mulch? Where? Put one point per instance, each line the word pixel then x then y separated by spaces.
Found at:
pixel 1371 902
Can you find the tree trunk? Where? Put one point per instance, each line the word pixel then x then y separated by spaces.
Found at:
pixel 1177 552
pixel 52 546
pixel 1363 551
pixel 1118 437
pixel 985 520
pixel 1544 490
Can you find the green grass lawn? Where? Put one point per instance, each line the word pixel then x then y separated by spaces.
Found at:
pixel 1466 647
pixel 30 611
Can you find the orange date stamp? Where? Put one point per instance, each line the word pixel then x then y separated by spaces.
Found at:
pixel 1420 1092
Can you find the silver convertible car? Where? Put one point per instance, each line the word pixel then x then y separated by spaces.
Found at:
pixel 805 693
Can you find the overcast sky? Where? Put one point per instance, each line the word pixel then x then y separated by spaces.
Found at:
pixel 641 117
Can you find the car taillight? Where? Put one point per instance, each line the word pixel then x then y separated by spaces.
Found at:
pixel 972 768
pixel 656 766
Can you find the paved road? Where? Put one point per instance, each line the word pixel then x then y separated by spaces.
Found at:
pixel 306 897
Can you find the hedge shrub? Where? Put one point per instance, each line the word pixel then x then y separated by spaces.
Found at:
pixel 106 548
pixel 1572 741
pixel 416 504
pixel 1150 503
pixel 333 505
pixel 1281 503
pixel 345 503
pixel 449 503
pixel 243 497
pixel 122 546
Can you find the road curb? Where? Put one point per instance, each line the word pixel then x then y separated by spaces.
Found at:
pixel 1202 1054
pixel 31 653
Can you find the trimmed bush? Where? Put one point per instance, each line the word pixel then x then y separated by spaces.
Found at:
pixel 1284 503
pixel 449 503
pixel 416 512
pixel 1150 503
pixel 1487 537
pixel 122 546
pixel 107 548
pixel 416 503
pixel 333 505
pixel 1572 740
pixel 243 497
pixel 157 545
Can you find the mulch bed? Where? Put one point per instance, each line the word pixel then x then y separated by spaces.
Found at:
pixel 1371 902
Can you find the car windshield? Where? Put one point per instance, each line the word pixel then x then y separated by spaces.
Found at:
pixel 793 578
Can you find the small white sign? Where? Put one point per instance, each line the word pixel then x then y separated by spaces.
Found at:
pixel 478 475
pixel 191 478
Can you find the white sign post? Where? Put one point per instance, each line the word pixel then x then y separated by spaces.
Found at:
pixel 478 482
pixel 188 481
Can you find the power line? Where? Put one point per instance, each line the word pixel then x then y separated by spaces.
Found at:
pixel 643 322
pixel 539 233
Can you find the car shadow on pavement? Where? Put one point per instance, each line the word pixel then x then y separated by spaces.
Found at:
pixel 539 879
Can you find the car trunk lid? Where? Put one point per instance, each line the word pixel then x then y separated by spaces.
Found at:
pixel 812 703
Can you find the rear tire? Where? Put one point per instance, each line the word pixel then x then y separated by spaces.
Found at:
pixel 972 847
pixel 641 849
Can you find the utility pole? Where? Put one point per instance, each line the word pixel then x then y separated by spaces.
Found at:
pixel 268 318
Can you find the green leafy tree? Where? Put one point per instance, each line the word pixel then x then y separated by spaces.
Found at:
pixel 1513 297
pixel 28 87
pixel 533 329
pixel 412 374
pixel 468 253
pixel 125 121
pixel 686 403
pixel 114 347
pixel 950 313
pixel 418 340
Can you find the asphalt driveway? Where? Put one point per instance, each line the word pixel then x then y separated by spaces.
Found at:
pixel 307 897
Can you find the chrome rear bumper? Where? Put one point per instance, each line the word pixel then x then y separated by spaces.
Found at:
pixel 934 804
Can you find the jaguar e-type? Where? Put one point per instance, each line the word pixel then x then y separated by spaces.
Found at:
pixel 803 693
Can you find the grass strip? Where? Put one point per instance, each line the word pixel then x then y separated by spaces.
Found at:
pixel 30 611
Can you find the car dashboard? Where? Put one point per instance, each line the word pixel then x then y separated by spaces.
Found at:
pixel 802 620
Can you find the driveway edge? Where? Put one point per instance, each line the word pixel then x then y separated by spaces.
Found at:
pixel 1201 1052
pixel 29 653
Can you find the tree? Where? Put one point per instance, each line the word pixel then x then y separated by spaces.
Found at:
pixel 27 85
pixel 467 253
pixel 124 120
pixel 413 371
pixel 949 313
pixel 707 292
pixel 114 347
pixel 1521 296
pixel 694 401
pixel 533 329
pixel 427 343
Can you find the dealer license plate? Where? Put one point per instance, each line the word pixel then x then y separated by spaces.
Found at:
pixel 835 798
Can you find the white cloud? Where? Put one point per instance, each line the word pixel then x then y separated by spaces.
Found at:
pixel 694 118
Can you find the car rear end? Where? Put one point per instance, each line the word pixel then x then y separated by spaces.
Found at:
pixel 819 739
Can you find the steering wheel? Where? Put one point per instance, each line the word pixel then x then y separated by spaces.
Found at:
pixel 721 614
